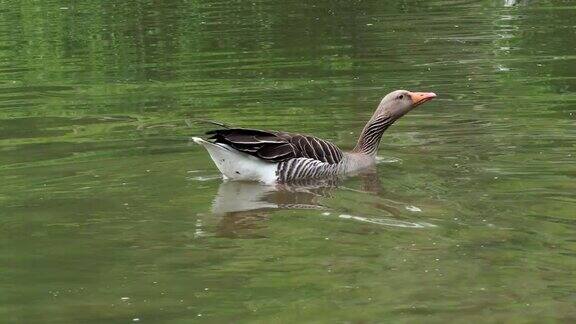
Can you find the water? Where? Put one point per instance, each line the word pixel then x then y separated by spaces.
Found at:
pixel 108 213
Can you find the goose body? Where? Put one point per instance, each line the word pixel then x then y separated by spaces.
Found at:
pixel 272 156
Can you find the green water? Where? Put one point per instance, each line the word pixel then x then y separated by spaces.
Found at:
pixel 109 214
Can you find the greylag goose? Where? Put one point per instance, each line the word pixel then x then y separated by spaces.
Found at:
pixel 276 157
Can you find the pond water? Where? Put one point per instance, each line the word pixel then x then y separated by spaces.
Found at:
pixel 109 213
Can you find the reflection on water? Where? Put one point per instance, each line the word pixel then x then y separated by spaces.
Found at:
pixel 243 203
pixel 511 3
pixel 236 196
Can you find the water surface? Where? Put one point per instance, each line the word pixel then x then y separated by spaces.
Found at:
pixel 108 212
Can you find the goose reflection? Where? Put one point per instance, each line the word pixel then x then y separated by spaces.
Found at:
pixel 245 206
pixel 240 197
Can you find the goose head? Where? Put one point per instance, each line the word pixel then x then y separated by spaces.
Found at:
pixel 398 103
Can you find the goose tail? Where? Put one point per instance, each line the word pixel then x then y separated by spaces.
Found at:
pixel 236 165
pixel 208 145
pixel 200 141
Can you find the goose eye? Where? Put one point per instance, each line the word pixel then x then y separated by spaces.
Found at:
pixel 400 97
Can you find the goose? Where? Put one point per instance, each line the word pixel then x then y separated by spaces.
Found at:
pixel 280 157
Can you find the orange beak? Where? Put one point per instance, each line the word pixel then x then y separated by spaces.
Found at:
pixel 419 98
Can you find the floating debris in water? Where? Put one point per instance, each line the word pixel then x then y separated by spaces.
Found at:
pixel 413 209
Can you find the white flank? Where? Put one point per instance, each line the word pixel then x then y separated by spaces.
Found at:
pixel 236 165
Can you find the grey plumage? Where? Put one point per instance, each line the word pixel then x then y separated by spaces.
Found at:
pixel 305 168
pixel 301 156
pixel 288 157
pixel 277 146
pixel 372 133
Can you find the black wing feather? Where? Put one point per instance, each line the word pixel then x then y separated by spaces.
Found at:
pixel 276 146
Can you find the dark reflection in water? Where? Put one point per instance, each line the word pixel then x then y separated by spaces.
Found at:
pixel 243 206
